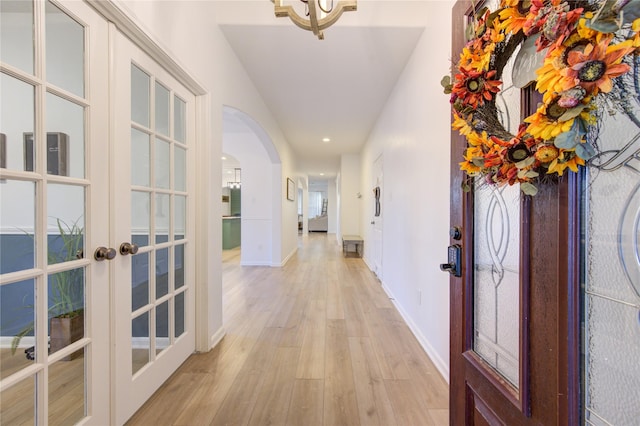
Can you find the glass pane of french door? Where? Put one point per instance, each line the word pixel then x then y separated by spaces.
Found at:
pixel 48 187
pixel 157 143
pixel 612 274
pixel 496 236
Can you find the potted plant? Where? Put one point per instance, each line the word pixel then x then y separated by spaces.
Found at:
pixel 66 293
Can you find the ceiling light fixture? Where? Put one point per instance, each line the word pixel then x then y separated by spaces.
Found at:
pixel 236 183
pixel 325 140
pixel 321 13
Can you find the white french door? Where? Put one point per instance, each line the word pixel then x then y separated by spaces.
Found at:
pixel 153 210
pixel 53 186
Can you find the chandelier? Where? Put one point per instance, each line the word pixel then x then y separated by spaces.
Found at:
pixel 321 14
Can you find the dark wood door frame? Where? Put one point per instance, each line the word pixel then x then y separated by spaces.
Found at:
pixel 550 297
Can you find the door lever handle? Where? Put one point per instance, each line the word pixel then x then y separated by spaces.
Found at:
pixel 103 253
pixel 128 248
pixel 447 267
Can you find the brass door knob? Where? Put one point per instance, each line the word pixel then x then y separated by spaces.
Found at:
pixel 128 248
pixel 103 253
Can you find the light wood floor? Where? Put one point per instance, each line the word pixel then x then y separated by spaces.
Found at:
pixel 316 342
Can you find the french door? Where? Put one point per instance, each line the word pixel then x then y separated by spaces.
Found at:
pixel 53 142
pixel 153 210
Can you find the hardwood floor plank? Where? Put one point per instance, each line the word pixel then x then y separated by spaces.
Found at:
pixel 272 405
pixel 407 403
pixel 241 398
pixel 307 403
pixel 374 405
pixel 312 354
pixel 340 403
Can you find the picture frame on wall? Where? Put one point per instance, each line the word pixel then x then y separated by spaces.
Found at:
pixel 291 190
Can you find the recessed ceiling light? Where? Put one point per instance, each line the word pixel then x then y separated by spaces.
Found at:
pixel 325 140
pixel 224 158
pixel 321 174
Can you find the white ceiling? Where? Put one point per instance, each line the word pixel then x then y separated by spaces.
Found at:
pixel 333 88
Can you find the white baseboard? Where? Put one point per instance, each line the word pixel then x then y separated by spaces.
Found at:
pixel 440 364
pixel 286 259
pixel 217 337
pixel 260 263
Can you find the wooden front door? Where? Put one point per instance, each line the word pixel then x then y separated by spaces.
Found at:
pixel 514 307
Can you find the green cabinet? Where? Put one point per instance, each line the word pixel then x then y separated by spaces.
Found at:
pixel 230 232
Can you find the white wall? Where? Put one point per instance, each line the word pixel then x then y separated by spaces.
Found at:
pixel 413 135
pixel 188 31
pixel 350 211
pixel 256 198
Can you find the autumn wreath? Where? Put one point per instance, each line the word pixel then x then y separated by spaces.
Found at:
pixel 588 61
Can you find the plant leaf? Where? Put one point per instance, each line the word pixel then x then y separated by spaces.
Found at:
pixel 572 113
pixel 566 140
pixel 528 188
pixel 631 11
pixel 526 162
pixel 585 151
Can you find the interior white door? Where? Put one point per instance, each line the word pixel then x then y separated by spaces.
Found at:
pixel 53 180
pixel 376 221
pixel 153 212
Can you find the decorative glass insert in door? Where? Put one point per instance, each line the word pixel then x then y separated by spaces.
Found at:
pixel 611 370
pixel 158 212
pixel 43 215
pixel 496 274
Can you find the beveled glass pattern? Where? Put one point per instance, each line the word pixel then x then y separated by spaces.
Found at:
pixel 496 236
pixel 497 278
pixel 65 50
pixel 16 121
pixel 612 276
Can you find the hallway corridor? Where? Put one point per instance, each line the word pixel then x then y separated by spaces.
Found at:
pixel 316 342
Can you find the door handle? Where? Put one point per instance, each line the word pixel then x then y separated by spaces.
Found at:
pixel 103 253
pixel 128 248
pixel 454 265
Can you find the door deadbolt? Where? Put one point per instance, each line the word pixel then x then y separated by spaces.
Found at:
pixel 103 253
pixel 128 248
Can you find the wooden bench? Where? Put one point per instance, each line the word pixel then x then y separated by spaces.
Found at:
pixel 354 240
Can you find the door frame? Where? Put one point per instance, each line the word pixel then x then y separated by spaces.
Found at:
pixel 550 299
